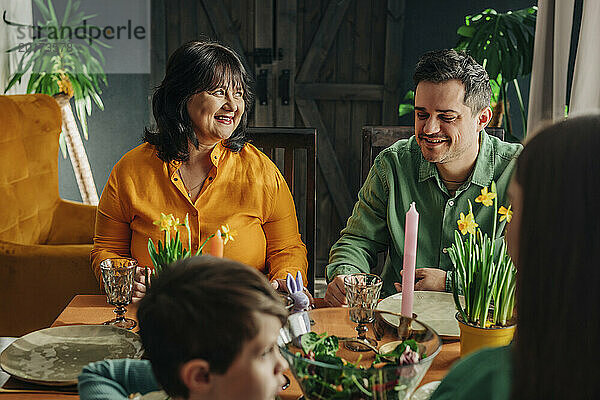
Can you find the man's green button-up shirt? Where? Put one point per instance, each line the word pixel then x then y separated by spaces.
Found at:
pixel 399 176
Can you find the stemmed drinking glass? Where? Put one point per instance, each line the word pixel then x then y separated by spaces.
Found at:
pixel 118 274
pixel 362 294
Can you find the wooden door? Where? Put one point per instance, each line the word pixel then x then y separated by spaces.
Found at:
pixel 329 64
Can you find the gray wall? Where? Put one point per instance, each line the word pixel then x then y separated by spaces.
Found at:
pixel 112 132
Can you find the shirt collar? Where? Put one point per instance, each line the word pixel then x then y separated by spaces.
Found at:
pixel 215 157
pixel 173 167
pixel 484 164
pixel 216 153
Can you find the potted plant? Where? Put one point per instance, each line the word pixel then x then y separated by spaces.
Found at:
pixel 486 276
pixel 503 44
pixel 171 250
pixel 65 69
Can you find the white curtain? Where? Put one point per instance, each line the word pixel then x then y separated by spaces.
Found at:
pixel 16 11
pixel 548 89
pixel 585 94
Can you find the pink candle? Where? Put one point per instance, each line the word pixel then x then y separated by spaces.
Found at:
pixel 215 247
pixel 410 256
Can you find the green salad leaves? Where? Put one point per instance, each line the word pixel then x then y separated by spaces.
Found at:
pixel 345 380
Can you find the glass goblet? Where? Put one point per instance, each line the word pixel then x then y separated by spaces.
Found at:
pixel 362 294
pixel 118 274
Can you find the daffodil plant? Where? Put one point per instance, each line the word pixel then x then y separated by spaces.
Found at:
pixel 172 249
pixel 487 281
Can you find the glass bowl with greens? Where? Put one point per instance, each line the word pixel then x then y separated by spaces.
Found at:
pixel 312 342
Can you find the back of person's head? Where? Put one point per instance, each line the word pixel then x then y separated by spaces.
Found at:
pixel 558 284
pixel 202 308
pixel 445 65
pixel 195 67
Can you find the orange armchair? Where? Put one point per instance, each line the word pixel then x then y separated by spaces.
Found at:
pixel 45 242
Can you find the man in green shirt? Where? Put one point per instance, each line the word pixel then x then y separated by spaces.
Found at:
pixel 448 162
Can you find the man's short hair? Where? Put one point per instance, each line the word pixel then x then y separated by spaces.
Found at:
pixel 445 65
pixel 202 308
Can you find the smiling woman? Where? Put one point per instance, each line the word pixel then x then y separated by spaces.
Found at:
pixel 196 163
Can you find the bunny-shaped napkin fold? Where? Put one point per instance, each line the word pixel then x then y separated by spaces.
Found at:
pixel 296 291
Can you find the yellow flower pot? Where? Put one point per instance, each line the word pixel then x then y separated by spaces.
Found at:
pixel 473 338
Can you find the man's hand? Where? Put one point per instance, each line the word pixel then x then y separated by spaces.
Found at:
pixel 139 283
pixel 433 279
pixel 336 292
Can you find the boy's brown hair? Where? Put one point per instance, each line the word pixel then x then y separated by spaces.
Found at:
pixel 202 308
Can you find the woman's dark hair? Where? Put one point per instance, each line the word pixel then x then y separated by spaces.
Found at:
pixel 556 349
pixel 195 67
pixel 202 308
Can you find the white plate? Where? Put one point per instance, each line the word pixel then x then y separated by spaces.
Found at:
pixel 436 309
pixel 56 356
pixel 425 391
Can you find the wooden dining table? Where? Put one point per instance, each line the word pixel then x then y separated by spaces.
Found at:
pixel 93 309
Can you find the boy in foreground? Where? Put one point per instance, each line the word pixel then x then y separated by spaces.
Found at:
pixel 209 327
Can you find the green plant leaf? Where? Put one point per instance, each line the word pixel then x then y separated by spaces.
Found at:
pixel 43 9
pixel 404 109
pixel 466 31
pixel 62 144
pixel 13 81
pixel 52 13
pixel 68 10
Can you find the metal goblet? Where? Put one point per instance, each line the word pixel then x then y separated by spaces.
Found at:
pixel 118 275
pixel 362 294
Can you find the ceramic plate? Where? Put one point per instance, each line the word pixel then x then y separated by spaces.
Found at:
pixel 436 309
pixel 56 356
pixel 425 391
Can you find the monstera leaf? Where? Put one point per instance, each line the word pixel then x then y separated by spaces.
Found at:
pixel 503 44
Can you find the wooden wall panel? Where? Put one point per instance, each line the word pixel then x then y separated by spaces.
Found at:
pixel 172 10
pixel 188 28
pixel 363 41
pixel 204 29
pixel 242 17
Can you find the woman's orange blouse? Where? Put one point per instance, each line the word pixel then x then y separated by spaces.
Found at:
pixel 244 190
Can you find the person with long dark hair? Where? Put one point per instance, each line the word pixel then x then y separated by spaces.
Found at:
pixel 196 162
pixel 554 240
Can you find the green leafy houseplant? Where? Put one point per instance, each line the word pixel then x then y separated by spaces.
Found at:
pixel 487 281
pixel 171 250
pixel 63 68
pixel 503 44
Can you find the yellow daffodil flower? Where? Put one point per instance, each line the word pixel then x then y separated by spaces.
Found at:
pixel 227 234
pixel 166 222
pixel 505 213
pixel 467 223
pixel 65 85
pixel 486 197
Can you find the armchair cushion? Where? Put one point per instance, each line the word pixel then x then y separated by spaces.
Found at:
pixel 73 223
pixel 45 242
pixel 38 281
